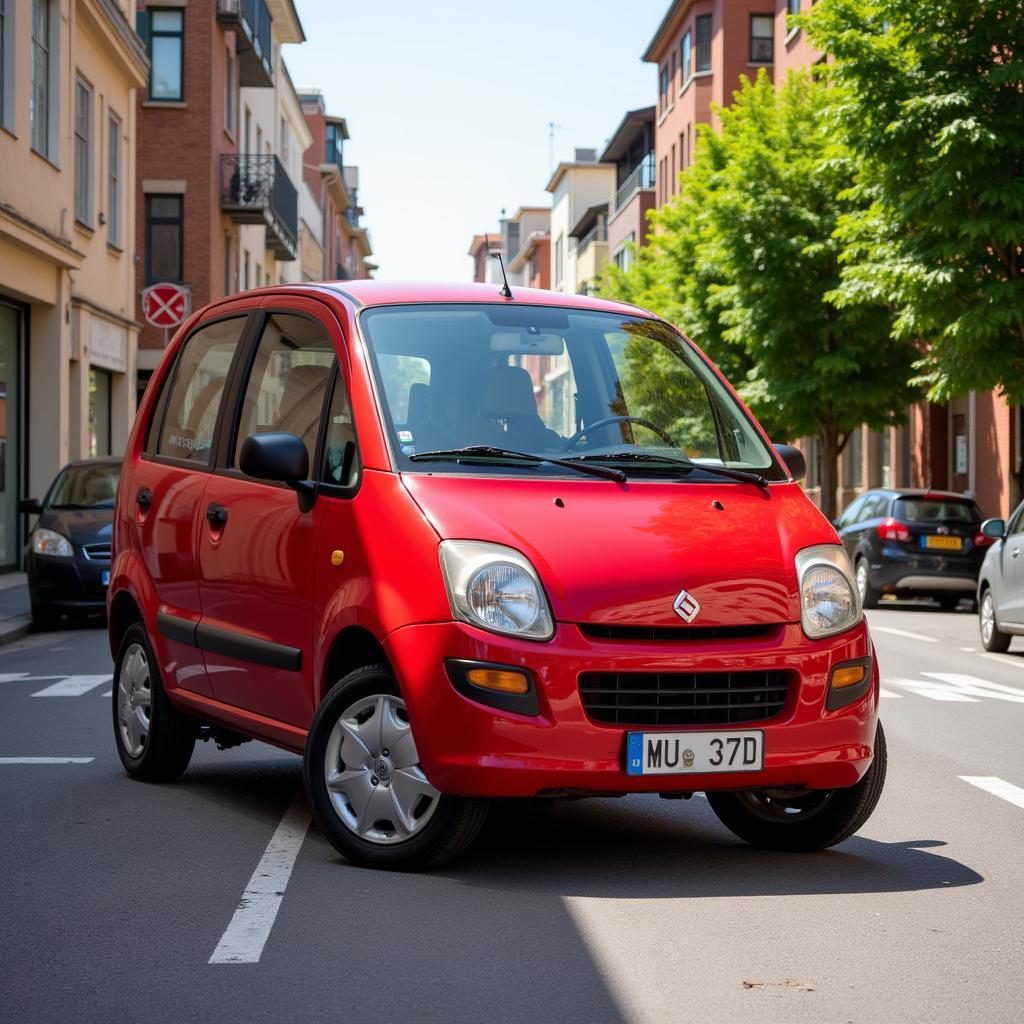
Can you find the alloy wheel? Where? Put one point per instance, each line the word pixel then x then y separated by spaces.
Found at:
pixel 373 774
pixel 988 618
pixel 862 581
pixel 134 700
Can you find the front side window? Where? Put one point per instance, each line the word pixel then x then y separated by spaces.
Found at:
pixel 83 152
pixel 762 38
pixel 703 42
pixel 686 57
pixel 288 382
pixel 114 180
pixel 41 56
pixel 340 464
pixel 562 383
pixel 166 54
pixel 196 392
pixel 164 225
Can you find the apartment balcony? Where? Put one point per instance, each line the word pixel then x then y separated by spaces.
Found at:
pixel 255 49
pixel 257 190
pixel 642 177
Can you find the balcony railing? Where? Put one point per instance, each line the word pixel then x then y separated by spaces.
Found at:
pixel 598 233
pixel 642 177
pixel 257 190
pixel 251 20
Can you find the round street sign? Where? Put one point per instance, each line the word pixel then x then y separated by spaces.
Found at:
pixel 165 305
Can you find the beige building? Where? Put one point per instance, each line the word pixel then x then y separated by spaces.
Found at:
pixel 68 335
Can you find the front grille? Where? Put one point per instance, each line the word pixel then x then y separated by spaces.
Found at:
pixel 97 552
pixel 683 698
pixel 668 634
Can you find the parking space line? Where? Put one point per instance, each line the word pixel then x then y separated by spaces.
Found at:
pixel 249 929
pixel 73 686
pixel 997 787
pixel 46 760
pixel 893 631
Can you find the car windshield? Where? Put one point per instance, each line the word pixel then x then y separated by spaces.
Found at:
pixel 608 389
pixel 86 487
pixel 936 510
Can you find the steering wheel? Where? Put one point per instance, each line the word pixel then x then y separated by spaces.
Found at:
pixel 583 431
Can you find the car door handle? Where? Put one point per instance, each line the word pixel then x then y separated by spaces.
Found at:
pixel 216 514
pixel 144 498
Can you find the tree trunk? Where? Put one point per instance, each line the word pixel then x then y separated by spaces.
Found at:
pixel 830 449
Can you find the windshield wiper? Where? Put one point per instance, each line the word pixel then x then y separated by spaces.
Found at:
pixel 487 451
pixel 742 475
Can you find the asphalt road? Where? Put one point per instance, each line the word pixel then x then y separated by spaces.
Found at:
pixel 117 894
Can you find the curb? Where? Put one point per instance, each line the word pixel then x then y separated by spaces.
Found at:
pixel 15 628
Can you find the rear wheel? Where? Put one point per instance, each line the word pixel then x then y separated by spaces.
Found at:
pixel 803 821
pixel 991 638
pixel 868 593
pixel 365 786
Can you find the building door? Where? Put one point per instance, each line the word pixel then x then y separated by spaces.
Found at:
pixel 10 435
pixel 99 412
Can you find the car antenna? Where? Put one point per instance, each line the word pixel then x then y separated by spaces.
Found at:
pixel 504 290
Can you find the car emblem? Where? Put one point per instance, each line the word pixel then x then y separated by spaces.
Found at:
pixel 686 606
pixel 943 529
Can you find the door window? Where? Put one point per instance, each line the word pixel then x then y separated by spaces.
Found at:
pixel 196 392
pixel 288 381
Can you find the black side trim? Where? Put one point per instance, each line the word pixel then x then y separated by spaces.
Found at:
pixel 247 648
pixel 837 699
pixel 517 703
pixel 176 628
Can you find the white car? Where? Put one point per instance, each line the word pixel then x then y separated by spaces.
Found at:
pixel 1001 582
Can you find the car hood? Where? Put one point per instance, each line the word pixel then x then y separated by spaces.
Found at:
pixel 80 526
pixel 621 554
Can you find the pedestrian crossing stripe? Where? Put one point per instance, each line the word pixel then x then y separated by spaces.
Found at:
pixel 953 687
pixel 73 686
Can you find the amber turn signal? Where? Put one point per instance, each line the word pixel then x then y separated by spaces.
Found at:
pixel 850 675
pixel 499 679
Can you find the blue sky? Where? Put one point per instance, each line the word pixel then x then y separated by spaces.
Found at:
pixel 448 105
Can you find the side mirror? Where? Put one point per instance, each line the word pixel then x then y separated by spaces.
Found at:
pixel 282 458
pixel 994 528
pixel 794 460
pixel 30 506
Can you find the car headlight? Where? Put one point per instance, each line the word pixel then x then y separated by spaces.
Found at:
pixel 829 602
pixel 49 542
pixel 495 588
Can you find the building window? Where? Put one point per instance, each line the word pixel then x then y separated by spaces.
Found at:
pixel 675 178
pixel 333 141
pixel 794 7
pixel 286 147
pixel 166 54
pixel 40 105
pixel 230 109
pixel 703 42
pixel 113 180
pixel 228 265
pixel 164 230
pixel 664 87
pixel 245 270
pixel 672 70
pixel 682 151
pixel 83 152
pixel 762 38
pixel 686 57
pixel 7 64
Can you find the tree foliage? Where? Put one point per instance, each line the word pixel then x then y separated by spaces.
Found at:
pixel 746 260
pixel 931 101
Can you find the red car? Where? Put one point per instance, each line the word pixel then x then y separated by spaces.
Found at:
pixel 452 545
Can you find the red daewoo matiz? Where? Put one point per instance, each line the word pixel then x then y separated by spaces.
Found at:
pixel 452 545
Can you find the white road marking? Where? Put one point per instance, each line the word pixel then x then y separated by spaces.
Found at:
pixel 970 650
pixel 904 632
pixel 243 941
pixel 1006 659
pixel 109 693
pixel 46 760
pixel 891 694
pixel 23 677
pixel 979 687
pixel 73 686
pixel 997 787
pixel 934 691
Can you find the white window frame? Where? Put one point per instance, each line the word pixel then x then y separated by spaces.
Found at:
pixel 769 20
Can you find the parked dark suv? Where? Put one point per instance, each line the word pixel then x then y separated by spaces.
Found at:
pixel 914 543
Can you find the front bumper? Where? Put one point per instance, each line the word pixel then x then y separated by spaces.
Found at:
pixel 471 749
pixel 72 584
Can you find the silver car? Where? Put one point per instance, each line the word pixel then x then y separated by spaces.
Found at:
pixel 1001 582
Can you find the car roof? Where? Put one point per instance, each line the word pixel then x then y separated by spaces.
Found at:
pixel 919 492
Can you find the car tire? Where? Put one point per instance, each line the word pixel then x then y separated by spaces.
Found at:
pixel 156 747
pixel 813 820
pixel 868 593
pixel 380 811
pixel 991 638
pixel 44 617
pixel 949 602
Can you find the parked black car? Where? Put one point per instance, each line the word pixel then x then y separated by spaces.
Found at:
pixel 69 548
pixel 914 543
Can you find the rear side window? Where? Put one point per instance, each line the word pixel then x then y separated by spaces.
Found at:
pixel 288 381
pixel 197 389
pixel 936 510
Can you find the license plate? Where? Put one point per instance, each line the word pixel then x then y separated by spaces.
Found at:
pixel 694 753
pixel 105 577
pixel 942 543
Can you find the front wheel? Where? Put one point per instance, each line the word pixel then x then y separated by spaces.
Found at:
pixel 365 786
pixel 991 638
pixel 803 821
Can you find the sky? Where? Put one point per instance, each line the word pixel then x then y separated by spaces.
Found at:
pixel 448 105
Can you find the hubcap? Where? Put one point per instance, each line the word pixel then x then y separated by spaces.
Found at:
pixel 786 806
pixel 134 700
pixel 373 773
pixel 988 618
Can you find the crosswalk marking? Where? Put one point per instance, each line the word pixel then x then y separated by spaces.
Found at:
pixel 934 691
pixel 979 687
pixel 891 694
pixel 46 760
pixel 73 686
pixel 23 677
pixel 997 787
pixel 893 631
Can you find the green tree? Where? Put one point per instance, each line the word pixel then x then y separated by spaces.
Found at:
pixel 745 259
pixel 933 108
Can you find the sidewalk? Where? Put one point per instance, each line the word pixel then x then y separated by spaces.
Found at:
pixel 15 612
